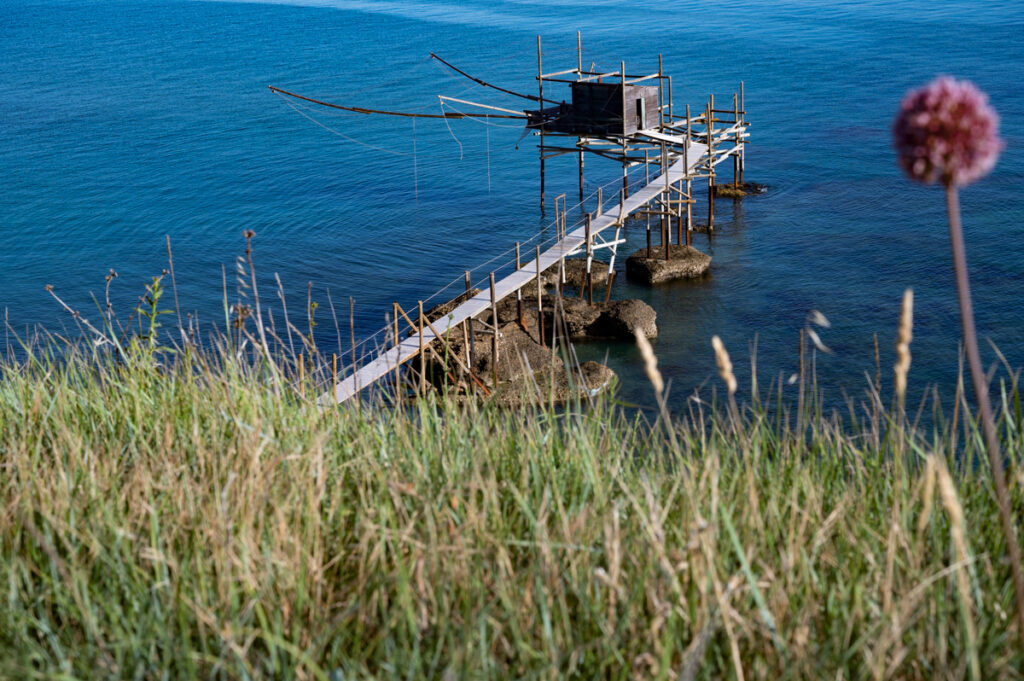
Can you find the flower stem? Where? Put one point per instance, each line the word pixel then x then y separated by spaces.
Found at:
pixel 988 428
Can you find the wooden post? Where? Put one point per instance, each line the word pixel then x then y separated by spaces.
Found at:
pixel 494 336
pixel 608 286
pixel 661 225
pixel 579 76
pixel 469 360
pixel 540 303
pixel 735 156
pixel 625 144
pixel 588 284
pixel 519 291
pixel 579 56
pixel 666 237
pixel 743 150
pixel 711 165
pixel 540 89
pixel 679 219
pixel 579 159
pixel 471 342
pixel 686 145
pixel 586 246
pixel 648 212
pixel 394 323
pixel 600 201
pixel 352 335
pixel 423 361
pixel 689 182
pixel 661 96
pixel 670 99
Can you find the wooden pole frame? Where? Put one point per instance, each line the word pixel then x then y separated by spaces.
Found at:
pixel 494 336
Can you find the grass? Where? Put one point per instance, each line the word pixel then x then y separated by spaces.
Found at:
pixel 191 515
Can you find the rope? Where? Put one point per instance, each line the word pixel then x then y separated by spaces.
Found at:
pixel 339 134
pixel 450 129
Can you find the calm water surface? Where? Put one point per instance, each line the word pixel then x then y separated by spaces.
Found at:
pixel 122 122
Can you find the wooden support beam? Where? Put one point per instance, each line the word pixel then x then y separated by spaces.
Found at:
pixel 443 339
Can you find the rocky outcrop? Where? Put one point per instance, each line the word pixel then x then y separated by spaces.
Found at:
pixel 526 367
pixel 560 386
pixel 614 321
pixel 685 262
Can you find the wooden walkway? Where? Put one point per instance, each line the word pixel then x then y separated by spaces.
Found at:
pixel 574 242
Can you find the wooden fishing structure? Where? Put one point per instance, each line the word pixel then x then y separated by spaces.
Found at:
pixel 626 118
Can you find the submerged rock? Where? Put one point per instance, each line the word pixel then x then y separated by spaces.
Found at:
pixel 734 191
pixel 686 263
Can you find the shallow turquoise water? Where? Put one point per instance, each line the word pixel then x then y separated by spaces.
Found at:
pixel 123 122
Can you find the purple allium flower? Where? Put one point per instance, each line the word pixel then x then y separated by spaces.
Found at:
pixel 947 132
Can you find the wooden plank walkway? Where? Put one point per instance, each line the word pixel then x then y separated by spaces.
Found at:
pixel 393 357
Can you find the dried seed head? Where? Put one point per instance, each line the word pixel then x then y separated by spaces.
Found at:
pixel 947 132
pixel 650 361
pixel 724 364
pixel 816 317
pixel 902 366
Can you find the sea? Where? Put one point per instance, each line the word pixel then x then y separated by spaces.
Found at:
pixel 128 123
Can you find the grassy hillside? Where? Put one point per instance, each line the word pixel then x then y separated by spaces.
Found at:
pixel 188 516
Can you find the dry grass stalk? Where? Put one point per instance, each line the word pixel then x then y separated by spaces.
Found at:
pixel 650 362
pixel 951 502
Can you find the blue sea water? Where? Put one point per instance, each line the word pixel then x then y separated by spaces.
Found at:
pixel 122 122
